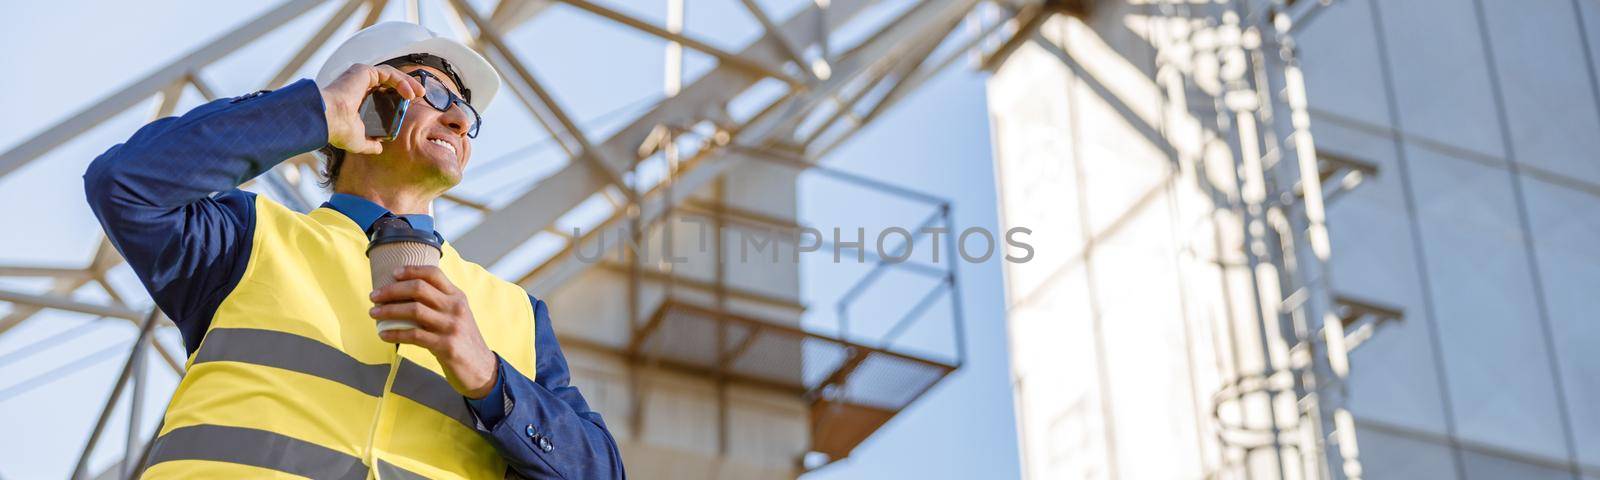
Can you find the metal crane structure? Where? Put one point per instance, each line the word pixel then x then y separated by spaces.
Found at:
pixel 1214 92
pixel 1224 287
pixel 1282 187
pixel 810 82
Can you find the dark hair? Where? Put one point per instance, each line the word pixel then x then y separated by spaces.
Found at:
pixel 332 160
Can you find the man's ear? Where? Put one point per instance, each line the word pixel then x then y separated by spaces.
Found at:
pixel 332 162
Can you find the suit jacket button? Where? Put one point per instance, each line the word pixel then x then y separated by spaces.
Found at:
pixel 544 443
pixel 530 431
pixel 248 96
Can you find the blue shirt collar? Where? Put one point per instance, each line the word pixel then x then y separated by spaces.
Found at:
pixel 364 212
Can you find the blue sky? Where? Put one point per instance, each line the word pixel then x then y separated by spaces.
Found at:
pixel 935 141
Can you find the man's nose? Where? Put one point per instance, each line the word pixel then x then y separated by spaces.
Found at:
pixel 457 119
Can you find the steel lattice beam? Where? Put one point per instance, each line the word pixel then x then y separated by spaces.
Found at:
pixel 533 211
pixel 166 75
pixel 925 20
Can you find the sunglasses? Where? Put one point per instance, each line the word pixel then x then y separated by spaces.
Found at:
pixel 440 97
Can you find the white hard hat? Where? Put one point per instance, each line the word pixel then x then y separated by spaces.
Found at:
pixel 388 40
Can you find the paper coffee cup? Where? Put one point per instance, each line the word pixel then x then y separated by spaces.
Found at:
pixel 395 244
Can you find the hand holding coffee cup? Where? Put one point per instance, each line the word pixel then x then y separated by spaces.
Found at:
pixel 394 244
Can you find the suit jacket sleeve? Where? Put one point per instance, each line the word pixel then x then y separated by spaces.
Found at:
pixel 168 197
pixel 544 428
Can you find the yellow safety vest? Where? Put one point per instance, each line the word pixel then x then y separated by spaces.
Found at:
pixel 292 380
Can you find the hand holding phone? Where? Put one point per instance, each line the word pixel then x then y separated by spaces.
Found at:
pixel 345 98
pixel 382 112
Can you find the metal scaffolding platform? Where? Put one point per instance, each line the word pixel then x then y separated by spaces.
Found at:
pixel 853 388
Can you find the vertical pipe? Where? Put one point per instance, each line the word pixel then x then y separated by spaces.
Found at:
pixel 721 293
pixel 822 32
pixel 1225 343
pixel 1242 101
pixel 674 63
pixel 958 323
pixel 1326 414
pixel 636 418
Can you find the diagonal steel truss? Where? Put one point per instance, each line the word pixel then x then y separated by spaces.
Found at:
pixel 823 97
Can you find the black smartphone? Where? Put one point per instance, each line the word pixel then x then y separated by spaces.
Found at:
pixel 383 111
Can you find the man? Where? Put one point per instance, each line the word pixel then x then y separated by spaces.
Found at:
pixel 287 370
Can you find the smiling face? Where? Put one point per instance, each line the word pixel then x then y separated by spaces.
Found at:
pixel 432 147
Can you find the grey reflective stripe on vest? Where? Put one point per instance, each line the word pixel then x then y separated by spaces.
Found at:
pixel 257 448
pixel 387 471
pixel 430 389
pixel 291 352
